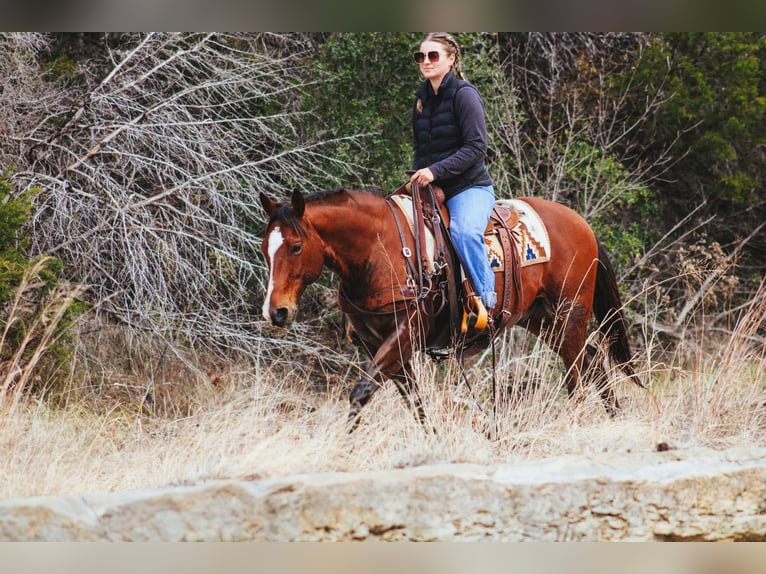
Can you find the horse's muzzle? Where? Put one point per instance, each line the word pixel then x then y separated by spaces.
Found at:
pixel 280 316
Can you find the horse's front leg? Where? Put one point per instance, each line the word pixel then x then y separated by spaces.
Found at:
pixel 360 396
pixel 408 389
pixel 391 360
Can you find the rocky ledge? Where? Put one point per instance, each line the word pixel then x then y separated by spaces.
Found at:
pixel 694 494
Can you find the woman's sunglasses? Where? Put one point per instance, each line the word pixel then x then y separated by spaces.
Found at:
pixel 420 57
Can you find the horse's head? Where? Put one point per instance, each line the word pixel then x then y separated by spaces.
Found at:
pixel 293 254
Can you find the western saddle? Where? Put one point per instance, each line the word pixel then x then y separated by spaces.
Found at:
pixel 468 316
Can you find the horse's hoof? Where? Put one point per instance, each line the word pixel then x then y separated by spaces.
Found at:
pixel 353 337
pixel 438 354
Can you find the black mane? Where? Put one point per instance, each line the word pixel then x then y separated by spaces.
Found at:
pixel 341 193
pixel 286 216
pixel 326 194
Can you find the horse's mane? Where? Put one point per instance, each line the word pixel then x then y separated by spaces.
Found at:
pixel 342 193
pixel 285 215
pixel 326 194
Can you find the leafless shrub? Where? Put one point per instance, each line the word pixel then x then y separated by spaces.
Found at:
pixel 564 121
pixel 150 161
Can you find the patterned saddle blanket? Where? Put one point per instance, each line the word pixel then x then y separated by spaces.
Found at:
pixel 530 232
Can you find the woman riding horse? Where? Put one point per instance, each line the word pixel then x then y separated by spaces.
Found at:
pixel 355 235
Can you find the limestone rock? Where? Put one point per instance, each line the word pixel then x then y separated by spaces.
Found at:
pixel 696 494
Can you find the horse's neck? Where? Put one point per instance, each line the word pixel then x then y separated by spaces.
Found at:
pixel 350 233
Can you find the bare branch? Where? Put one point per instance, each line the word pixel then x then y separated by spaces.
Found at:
pixel 149 171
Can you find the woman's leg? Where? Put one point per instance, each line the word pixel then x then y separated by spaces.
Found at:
pixel 469 213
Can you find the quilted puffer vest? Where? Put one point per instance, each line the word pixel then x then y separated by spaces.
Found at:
pixel 436 134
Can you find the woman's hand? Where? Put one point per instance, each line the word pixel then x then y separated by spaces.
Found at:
pixel 422 177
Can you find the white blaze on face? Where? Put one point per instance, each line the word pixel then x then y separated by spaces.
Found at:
pixel 274 242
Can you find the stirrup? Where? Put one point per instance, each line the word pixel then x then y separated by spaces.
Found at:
pixel 478 319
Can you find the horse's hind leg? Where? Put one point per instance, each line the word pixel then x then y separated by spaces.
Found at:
pixel 594 369
pixel 611 404
pixel 565 333
pixel 579 359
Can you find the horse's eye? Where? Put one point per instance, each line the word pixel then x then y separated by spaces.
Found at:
pixel 296 249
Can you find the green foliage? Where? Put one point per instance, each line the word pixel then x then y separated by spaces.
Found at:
pixel 624 212
pixel 717 105
pixel 61 67
pixel 367 83
pixel 14 212
pixel 35 314
pixel 714 121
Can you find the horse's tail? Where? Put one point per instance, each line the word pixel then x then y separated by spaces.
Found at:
pixel 608 309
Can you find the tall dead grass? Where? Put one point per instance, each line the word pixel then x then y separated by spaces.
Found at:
pixel 132 415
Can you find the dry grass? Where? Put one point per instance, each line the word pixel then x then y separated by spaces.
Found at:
pixel 151 419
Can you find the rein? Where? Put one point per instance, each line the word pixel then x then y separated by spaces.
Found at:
pixel 407 253
pixel 420 280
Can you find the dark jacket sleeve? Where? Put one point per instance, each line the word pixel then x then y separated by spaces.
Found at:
pixel 469 112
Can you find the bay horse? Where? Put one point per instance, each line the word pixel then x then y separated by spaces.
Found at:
pixel 354 234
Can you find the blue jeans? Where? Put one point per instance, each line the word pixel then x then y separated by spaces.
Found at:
pixel 469 213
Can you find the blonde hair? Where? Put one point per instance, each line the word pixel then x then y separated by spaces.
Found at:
pixel 451 47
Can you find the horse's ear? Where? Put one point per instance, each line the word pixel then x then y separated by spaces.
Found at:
pixel 298 204
pixel 269 205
